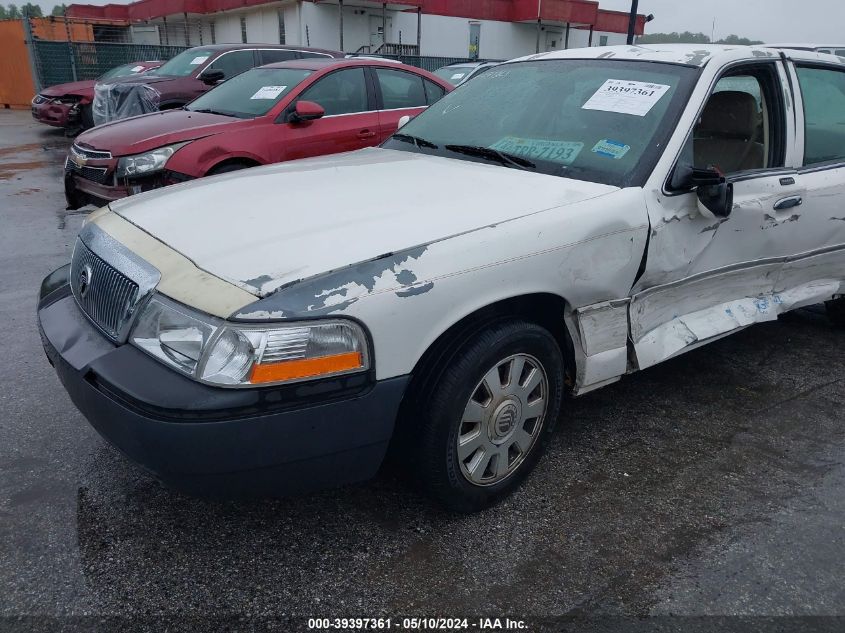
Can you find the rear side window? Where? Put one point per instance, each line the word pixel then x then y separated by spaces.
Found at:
pixel 400 89
pixel 341 92
pixel 273 56
pixel 233 63
pixel 823 91
pixel 432 91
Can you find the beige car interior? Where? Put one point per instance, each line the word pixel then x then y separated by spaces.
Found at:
pixel 730 135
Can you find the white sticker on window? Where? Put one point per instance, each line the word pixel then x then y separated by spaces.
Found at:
pixel 556 151
pixel 268 92
pixel 458 76
pixel 137 69
pixel 626 97
pixel 611 149
pixel 196 61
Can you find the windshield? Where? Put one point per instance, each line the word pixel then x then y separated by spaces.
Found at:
pixel 598 120
pixel 184 63
pixel 454 74
pixel 122 71
pixel 250 94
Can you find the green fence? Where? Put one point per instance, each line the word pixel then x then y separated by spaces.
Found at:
pixel 60 62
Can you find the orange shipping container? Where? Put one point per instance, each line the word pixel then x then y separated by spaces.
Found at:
pixel 16 85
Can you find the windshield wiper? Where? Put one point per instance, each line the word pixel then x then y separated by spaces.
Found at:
pixel 211 111
pixel 492 154
pixel 416 140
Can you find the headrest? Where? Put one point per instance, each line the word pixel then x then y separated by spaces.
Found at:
pixel 729 114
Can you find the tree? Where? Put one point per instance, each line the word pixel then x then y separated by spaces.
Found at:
pixel 688 37
pixel 3 13
pixel 736 40
pixel 59 10
pixel 30 10
pixel 13 12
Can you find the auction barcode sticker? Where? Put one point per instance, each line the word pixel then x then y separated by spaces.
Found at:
pixel 626 97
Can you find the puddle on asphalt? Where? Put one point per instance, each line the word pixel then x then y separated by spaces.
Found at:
pixel 8 171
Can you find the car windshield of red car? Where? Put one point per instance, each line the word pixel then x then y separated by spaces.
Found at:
pixel 184 63
pixel 250 94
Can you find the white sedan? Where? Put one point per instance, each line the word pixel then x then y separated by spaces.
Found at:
pixel 561 221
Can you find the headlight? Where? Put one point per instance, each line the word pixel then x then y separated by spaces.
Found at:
pixel 146 163
pixel 228 354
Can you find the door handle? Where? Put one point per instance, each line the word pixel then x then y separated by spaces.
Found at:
pixel 366 134
pixel 788 203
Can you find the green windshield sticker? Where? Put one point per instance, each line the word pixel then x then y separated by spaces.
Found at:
pixel 611 149
pixel 556 151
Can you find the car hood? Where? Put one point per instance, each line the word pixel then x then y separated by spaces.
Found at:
pixel 149 131
pixel 269 226
pixel 81 88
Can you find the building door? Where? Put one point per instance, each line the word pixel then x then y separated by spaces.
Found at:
pixel 474 39
pixel 377 34
pixel 554 40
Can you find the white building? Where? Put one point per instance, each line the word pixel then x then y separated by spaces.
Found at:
pixel 485 29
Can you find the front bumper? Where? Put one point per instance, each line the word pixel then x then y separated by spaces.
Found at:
pixel 207 440
pixel 55 114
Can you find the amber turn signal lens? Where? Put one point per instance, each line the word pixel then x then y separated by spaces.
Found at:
pixel 305 368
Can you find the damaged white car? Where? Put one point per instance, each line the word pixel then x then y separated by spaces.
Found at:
pixel 557 223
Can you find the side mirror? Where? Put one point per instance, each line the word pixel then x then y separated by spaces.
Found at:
pixel 212 77
pixel 404 120
pixel 715 193
pixel 306 111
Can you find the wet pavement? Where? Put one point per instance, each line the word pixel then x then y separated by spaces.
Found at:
pixel 713 484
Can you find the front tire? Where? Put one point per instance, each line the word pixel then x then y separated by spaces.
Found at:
pixel 490 414
pixel 836 311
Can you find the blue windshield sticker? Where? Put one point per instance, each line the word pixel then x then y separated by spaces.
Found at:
pixel 611 149
pixel 564 152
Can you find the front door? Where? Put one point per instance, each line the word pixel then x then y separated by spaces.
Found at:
pixel 351 120
pixel 707 276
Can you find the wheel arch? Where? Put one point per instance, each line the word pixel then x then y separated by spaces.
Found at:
pixel 546 309
pixel 233 160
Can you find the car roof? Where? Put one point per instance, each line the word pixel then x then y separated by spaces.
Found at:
pixel 284 47
pixel 806 47
pixel 318 63
pixel 698 55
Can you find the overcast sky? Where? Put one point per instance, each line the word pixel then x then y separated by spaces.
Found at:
pixel 768 20
pixel 772 21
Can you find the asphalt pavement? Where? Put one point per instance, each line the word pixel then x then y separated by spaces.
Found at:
pixel 711 485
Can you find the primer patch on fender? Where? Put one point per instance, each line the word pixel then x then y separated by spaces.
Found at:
pixel 626 97
pixel 611 149
pixel 268 92
pixel 564 152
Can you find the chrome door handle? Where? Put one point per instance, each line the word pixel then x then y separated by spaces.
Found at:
pixel 788 203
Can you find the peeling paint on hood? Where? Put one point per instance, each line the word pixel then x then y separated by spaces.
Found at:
pixel 267 227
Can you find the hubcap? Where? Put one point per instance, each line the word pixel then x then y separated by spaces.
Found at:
pixel 502 420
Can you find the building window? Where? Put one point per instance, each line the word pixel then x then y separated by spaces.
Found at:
pixel 243 29
pixel 603 40
pixel 213 34
pixel 281 26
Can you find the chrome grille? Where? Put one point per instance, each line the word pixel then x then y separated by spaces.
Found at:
pixel 105 294
pixel 90 154
pixel 94 174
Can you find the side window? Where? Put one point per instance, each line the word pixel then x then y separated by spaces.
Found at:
pixel 307 54
pixel 273 56
pixel 823 91
pixel 432 91
pixel 840 52
pixel 233 63
pixel 741 127
pixel 400 89
pixel 341 92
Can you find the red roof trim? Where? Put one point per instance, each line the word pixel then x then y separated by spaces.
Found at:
pixel 576 12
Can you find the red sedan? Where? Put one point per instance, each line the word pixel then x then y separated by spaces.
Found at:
pixel 274 113
pixel 69 105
